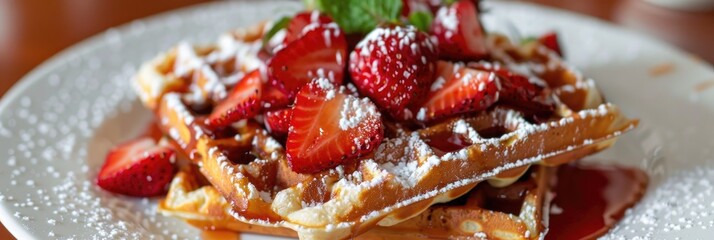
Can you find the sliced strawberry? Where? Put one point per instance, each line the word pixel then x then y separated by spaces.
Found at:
pixel 319 52
pixel 330 127
pixel 137 168
pixel 273 98
pixel 243 102
pixel 459 33
pixel 519 92
pixel 394 67
pixel 550 40
pixel 463 90
pixel 278 122
pixel 297 26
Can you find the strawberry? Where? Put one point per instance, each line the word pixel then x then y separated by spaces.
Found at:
pixel 519 92
pixel 550 40
pixel 394 67
pixel 300 21
pixel 318 53
pixel 243 102
pixel 458 32
pixel 330 127
pixel 138 168
pixel 278 121
pixel 273 98
pixel 459 89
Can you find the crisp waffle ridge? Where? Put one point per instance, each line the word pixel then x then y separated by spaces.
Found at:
pixel 402 178
pixel 203 207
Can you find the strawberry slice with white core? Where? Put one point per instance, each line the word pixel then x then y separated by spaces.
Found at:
pixel 330 127
pixel 459 89
pixel 138 168
pixel 243 102
pixel 458 32
pixel 319 52
pixel 394 67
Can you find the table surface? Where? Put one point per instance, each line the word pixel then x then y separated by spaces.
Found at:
pixel 31 31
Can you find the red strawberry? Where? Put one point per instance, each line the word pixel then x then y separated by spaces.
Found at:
pixel 243 102
pixel 550 40
pixel 319 52
pixel 459 89
pixel 297 26
pixel 518 91
pixel 278 122
pixel 273 98
pixel 459 33
pixel 137 168
pixel 394 67
pixel 330 127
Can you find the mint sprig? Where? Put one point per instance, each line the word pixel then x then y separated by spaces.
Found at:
pixel 359 16
pixel 277 26
pixel 421 20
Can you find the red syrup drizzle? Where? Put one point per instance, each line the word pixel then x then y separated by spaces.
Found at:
pixel 590 199
pixel 447 142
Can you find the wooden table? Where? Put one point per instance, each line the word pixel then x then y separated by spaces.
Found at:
pixel 33 30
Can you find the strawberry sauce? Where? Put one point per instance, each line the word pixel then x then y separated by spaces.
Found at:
pixel 447 142
pixel 590 199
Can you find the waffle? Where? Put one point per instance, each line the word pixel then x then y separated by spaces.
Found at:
pixel 403 177
pixel 483 212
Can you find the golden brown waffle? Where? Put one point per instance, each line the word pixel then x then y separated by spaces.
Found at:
pixel 404 177
pixel 512 212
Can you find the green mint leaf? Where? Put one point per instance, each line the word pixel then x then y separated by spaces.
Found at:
pixel 360 16
pixel 277 26
pixel 421 20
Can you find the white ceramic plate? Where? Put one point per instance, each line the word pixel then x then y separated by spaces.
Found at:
pixel 59 121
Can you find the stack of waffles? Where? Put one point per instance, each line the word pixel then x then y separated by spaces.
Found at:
pixel 454 178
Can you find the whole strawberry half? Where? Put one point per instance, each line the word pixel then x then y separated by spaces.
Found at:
pixel 394 67
pixel 319 52
pixel 137 168
pixel 243 102
pixel 458 32
pixel 278 121
pixel 298 24
pixel 330 127
pixel 459 89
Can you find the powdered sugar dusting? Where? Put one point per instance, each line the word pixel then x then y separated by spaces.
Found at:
pixel 355 111
pixel 680 206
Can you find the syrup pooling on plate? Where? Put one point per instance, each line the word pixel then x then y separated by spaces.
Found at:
pixel 590 199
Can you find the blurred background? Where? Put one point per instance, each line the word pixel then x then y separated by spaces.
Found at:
pixel 31 31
